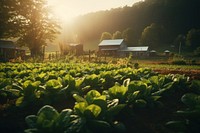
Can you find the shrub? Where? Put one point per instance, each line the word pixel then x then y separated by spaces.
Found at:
pixel 179 62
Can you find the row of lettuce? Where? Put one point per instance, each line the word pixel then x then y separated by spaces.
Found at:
pixel 102 92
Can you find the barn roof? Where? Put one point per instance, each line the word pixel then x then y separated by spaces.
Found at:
pixel 114 42
pixel 136 49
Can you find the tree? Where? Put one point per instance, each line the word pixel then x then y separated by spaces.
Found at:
pixel 129 35
pixel 179 42
pixel 193 38
pixel 40 26
pixel 117 35
pixel 152 35
pixel 30 21
pixel 11 21
pixel 197 51
pixel 106 36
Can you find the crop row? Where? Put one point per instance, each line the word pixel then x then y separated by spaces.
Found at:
pixel 102 93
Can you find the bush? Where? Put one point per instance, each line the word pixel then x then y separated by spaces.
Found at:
pixel 179 62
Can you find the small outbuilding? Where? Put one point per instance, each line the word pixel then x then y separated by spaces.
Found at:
pixel 8 50
pixel 167 52
pixel 152 53
pixel 76 48
pixel 141 51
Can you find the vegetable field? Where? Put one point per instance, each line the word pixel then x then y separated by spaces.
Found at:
pixel 96 98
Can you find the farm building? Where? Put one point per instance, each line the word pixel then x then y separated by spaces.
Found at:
pixel 74 48
pixel 8 50
pixel 111 47
pixel 167 52
pixel 141 51
pixel 118 47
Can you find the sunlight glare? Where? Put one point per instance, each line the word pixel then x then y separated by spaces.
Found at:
pixel 62 14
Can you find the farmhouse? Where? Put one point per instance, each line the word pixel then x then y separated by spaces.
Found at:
pixel 119 48
pixel 8 50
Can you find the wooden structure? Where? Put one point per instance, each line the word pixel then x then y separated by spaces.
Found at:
pixel 111 47
pixel 167 52
pixel 77 49
pixel 117 47
pixel 8 50
pixel 71 48
pixel 141 51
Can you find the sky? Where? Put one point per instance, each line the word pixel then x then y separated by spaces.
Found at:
pixel 66 10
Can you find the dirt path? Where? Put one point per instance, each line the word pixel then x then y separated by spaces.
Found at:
pixel 193 74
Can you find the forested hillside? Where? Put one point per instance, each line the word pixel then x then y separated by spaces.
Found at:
pixel 153 22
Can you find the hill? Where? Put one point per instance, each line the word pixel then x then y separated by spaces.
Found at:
pixel 176 17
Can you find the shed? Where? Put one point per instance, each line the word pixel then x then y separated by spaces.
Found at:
pixel 76 48
pixel 167 52
pixel 152 53
pixel 8 50
pixel 137 51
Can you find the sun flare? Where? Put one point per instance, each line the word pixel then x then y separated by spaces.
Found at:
pixel 62 14
pixel 67 10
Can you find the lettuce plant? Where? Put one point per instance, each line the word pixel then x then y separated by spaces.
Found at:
pixel 49 120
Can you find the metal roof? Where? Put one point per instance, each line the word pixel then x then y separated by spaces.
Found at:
pixel 109 49
pixel 114 42
pixel 136 49
pixel 152 51
pixel 166 51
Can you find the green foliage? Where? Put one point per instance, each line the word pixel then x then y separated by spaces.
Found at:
pixel 106 36
pixel 49 120
pixel 153 35
pixel 197 52
pixel 118 92
pixel 105 95
pixel 192 38
pixel 190 118
pixel 178 61
pixel 32 28
pixel 117 35
pixel 130 36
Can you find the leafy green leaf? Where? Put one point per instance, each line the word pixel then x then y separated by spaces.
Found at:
pixel 79 98
pixel 140 103
pixel 99 126
pixel 53 84
pixel 92 110
pixel 191 100
pixel 47 115
pixel 114 110
pixel 80 107
pixel 31 121
pixel 19 101
pixel 91 95
pixel 178 126
pixel 126 82
pixel 118 92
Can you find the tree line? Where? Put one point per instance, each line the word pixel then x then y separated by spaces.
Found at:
pixel 157 23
